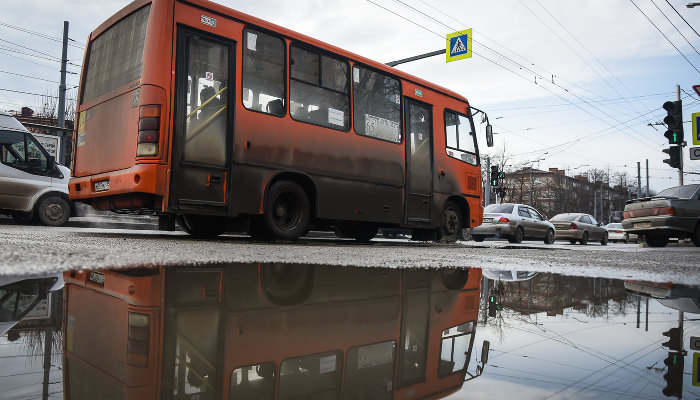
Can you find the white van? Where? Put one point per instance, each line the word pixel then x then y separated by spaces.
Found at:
pixel 32 184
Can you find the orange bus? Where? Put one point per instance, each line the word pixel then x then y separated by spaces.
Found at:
pixel 269 331
pixel 226 122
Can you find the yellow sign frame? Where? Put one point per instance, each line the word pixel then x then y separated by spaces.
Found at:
pixel 696 126
pixel 468 54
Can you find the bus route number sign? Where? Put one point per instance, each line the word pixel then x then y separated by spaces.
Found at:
pixel 459 45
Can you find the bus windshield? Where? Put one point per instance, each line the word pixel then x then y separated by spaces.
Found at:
pixel 116 56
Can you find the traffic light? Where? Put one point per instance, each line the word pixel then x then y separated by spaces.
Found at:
pixel 674 376
pixel 501 175
pixel 494 305
pixel 494 176
pixel 675 156
pixel 674 121
pixel 502 191
pixel 674 339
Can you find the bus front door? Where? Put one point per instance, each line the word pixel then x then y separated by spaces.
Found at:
pixel 419 165
pixel 203 123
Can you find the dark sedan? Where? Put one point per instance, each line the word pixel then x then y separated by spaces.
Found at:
pixel 674 212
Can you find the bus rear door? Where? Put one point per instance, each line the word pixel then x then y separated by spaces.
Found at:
pixel 203 122
pixel 419 163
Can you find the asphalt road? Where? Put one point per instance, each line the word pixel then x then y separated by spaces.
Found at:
pixel 38 249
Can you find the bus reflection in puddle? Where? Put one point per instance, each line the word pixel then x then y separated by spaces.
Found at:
pixel 265 331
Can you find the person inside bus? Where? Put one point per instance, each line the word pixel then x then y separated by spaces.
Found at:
pixel 208 94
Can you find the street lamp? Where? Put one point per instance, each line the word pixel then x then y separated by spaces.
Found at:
pixel 691 5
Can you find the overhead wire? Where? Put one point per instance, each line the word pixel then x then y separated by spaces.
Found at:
pixel 664 35
pixel 674 25
pixel 42 35
pixel 679 14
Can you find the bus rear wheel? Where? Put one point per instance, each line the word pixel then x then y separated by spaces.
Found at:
pixel 202 226
pixel 287 212
pixel 451 223
pixel 287 284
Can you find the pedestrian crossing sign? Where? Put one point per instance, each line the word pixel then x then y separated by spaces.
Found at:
pixel 459 45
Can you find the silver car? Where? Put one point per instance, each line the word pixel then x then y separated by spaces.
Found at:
pixel 579 227
pixel 514 222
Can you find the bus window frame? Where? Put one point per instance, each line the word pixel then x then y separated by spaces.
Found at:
pixel 394 361
pixel 286 73
pixel 401 102
pixel 341 363
pixel 467 356
pixel 275 378
pixel 348 76
pixel 474 138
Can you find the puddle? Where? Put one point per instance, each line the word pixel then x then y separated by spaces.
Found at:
pixel 268 331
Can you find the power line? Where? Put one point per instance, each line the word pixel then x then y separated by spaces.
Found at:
pixel 42 35
pixel 664 35
pixel 28 48
pixel 36 63
pixel 674 25
pixel 679 14
pixel 30 77
pixel 32 94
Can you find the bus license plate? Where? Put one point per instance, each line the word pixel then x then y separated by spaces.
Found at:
pixel 643 225
pixel 97 278
pixel 101 186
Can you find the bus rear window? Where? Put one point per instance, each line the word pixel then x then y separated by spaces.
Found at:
pixel 116 56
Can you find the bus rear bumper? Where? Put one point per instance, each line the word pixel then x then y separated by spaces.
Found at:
pixel 139 185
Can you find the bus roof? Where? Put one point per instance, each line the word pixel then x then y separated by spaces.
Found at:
pixel 249 19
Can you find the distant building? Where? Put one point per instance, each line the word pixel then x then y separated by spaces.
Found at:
pixel 553 192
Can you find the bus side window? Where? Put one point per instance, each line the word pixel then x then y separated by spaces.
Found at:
pixel 459 138
pixel 253 382
pixel 263 72
pixel 377 103
pixel 319 84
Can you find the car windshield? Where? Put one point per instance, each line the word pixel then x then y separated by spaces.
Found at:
pixel 680 192
pixel 564 217
pixel 499 208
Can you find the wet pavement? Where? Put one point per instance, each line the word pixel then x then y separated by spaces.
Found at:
pixel 302 331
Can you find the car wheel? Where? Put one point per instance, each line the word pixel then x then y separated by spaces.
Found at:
pixel 286 211
pixel 584 238
pixel 478 238
pixel 518 236
pixel 604 241
pixel 53 211
pixel 549 239
pixel 572 241
pixel 656 241
pixel 451 223
pixel 627 238
pixel 696 237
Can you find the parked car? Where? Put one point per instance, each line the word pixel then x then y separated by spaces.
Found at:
pixel 514 222
pixel 674 212
pixel 32 184
pixel 579 227
pixel 616 233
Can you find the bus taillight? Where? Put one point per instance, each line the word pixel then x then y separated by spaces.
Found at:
pixel 149 126
pixel 139 338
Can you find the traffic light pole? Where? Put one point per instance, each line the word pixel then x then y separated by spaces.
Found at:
pixel 680 168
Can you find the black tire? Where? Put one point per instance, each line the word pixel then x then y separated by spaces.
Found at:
pixel 518 236
pixel 287 284
pixel 549 239
pixel 584 238
pixel 478 238
pixel 454 278
pixel 365 233
pixel 166 223
pixel 696 237
pixel 287 211
pixel 572 241
pixel 656 241
pixel 202 226
pixel 451 223
pixel 627 238
pixel 53 211
pixel 604 240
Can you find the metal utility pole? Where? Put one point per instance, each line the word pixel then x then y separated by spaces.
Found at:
pixel 639 180
pixel 647 178
pixel 418 57
pixel 62 95
pixel 680 168
pixel 487 194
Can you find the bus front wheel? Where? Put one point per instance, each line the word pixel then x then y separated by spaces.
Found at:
pixel 451 223
pixel 287 211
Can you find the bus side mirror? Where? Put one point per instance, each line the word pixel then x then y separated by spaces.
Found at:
pixel 485 352
pixel 489 135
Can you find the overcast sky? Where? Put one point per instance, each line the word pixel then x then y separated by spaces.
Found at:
pixel 567 84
